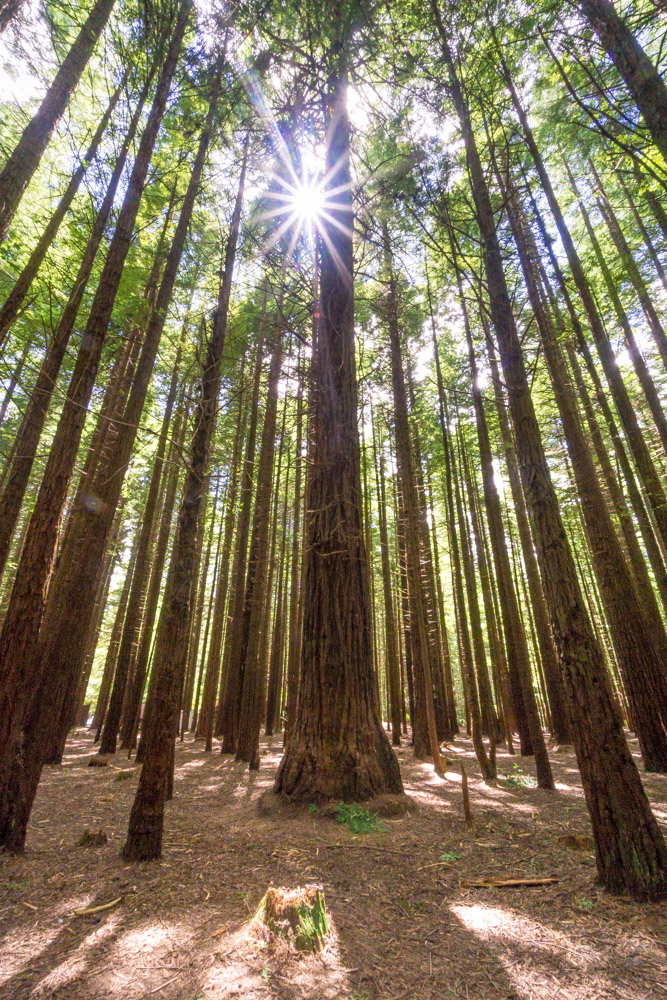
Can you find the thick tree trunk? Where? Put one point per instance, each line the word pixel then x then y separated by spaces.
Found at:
pixel 24 159
pixel 337 748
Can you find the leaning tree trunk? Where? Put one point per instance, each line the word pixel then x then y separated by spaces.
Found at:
pixel 337 747
pixel 32 424
pixel 16 297
pixel 642 78
pixel 638 652
pixel 144 835
pixel 19 663
pixel 631 854
pixel 645 467
pixel 24 159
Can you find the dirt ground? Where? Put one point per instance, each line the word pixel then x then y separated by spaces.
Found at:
pixel 405 923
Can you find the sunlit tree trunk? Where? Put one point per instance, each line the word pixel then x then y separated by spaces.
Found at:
pixel 337 748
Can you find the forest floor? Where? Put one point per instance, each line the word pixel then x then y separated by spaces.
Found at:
pixel 406 923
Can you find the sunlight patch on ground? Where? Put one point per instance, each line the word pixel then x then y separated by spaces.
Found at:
pixel 248 968
pixel 534 957
pixel 75 965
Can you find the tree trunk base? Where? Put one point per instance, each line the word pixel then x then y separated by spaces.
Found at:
pixel 313 771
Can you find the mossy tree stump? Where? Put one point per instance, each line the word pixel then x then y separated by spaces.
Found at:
pixel 296 916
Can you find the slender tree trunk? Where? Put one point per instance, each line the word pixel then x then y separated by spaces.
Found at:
pixel 251 704
pixel 424 729
pixel 631 853
pixel 298 546
pixel 641 369
pixel 207 714
pixel 630 267
pixel 641 77
pixel 649 537
pixel 391 651
pixel 144 836
pixel 137 592
pixel 32 424
pixel 638 654
pixel 16 297
pixel 233 678
pixel 25 158
pixel 133 712
pixel 636 440
pixel 19 663
pixel 277 657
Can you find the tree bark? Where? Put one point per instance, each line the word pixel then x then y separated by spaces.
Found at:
pixel 337 748
pixel 641 77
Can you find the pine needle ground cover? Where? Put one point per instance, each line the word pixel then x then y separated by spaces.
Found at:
pixel 406 921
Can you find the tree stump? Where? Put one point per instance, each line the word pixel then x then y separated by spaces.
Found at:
pixel 296 916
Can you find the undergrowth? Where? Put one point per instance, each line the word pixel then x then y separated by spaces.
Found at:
pixel 516 778
pixel 358 819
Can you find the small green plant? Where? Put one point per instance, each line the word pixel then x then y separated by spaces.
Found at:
pixel 313 925
pixel 266 974
pixel 585 904
pixel 450 856
pixel 517 779
pixel 360 995
pixel 358 819
pixel 313 808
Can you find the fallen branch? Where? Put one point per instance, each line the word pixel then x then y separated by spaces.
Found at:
pixel 500 883
pixel 367 847
pixel 98 909
pixel 168 983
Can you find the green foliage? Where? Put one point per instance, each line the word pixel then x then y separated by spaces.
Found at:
pixel 313 925
pixel 516 778
pixel 358 819
pixel 450 856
